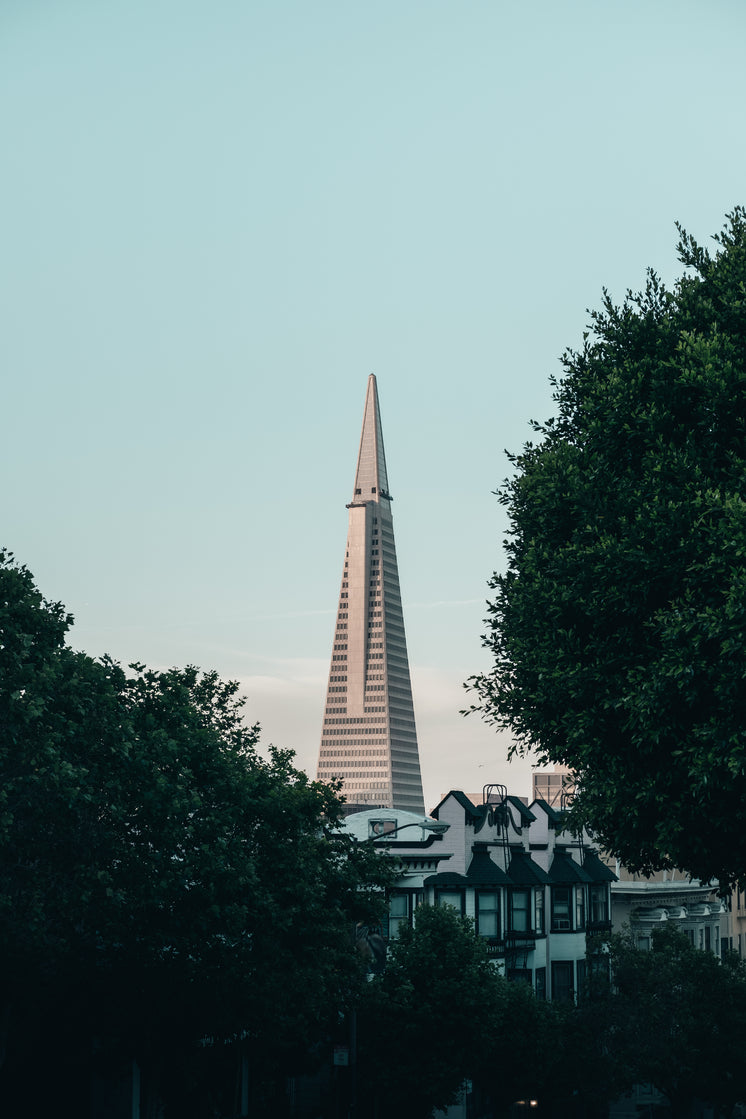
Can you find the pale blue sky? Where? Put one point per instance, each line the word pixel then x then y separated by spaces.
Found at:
pixel 219 218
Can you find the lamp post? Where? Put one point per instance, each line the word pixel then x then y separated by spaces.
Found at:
pixel 426 824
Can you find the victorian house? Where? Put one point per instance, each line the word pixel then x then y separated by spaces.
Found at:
pixel 534 890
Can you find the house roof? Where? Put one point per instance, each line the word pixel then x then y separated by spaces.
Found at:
pixel 484 872
pixel 556 818
pixel 596 869
pixel 470 809
pixel 523 871
pixel 565 871
pixel 448 879
pixel 527 816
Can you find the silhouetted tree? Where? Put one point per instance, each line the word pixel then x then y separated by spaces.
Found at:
pixel 673 1016
pixel 160 881
pixel 619 628
pixel 439 1014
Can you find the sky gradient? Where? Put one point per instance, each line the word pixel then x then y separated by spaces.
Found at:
pixel 219 218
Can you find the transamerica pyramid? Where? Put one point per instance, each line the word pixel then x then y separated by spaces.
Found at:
pixel 369 736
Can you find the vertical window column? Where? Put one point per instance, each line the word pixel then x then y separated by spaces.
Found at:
pixel 488 913
pixel 520 911
pixel 561 908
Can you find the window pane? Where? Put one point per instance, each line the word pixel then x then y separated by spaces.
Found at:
pixel 519 910
pixel 377 828
pixel 450 897
pixel 398 914
pixel 488 912
pixel 561 907
pixel 599 908
pixel 539 911
pixel 398 905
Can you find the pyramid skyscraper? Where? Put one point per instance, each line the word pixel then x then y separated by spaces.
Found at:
pixel 369 736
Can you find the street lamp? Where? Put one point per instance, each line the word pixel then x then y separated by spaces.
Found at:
pixel 378 829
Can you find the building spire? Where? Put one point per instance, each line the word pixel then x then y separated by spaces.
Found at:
pixel 369 737
pixel 371 480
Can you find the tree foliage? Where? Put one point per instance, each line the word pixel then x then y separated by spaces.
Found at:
pixel 160 881
pixel 674 1017
pixel 619 627
pixel 441 1013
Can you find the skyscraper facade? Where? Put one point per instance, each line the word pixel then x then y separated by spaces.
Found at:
pixel 369 737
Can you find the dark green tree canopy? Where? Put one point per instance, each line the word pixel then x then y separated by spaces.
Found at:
pixel 159 877
pixel 619 627
pixel 675 1017
pixel 439 1014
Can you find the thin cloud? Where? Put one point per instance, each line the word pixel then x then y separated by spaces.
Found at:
pixel 443 602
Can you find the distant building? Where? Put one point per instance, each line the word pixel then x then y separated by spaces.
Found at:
pixel 554 785
pixel 369 737
pixel 733 926
pixel 642 903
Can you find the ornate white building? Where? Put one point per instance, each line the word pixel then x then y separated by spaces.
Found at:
pixel 642 903
pixel 535 892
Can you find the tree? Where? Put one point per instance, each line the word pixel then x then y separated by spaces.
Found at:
pixel 619 627
pixel 160 882
pixel 675 1017
pixel 439 1014
pixel 584 1070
